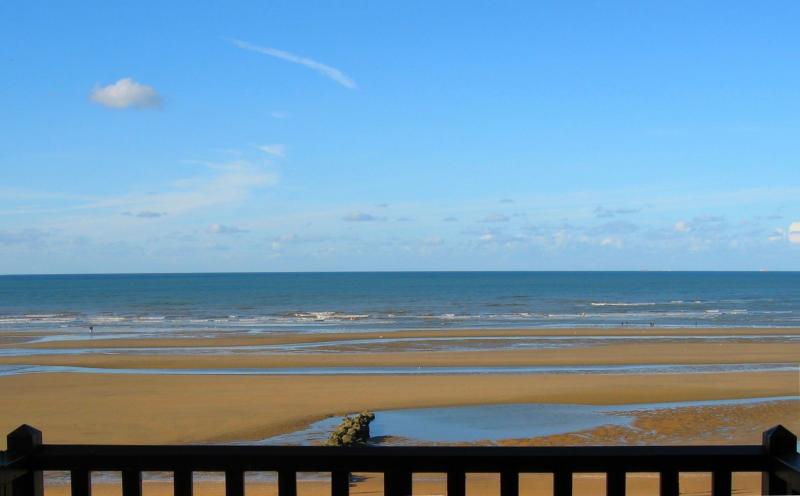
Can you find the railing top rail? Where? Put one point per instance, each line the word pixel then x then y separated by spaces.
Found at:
pixel 416 459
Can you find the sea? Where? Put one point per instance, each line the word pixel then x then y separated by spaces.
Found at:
pixel 133 304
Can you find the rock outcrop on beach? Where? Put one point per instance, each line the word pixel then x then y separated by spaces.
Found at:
pixel 353 431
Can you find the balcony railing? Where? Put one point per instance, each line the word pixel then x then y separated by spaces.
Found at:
pixel 22 466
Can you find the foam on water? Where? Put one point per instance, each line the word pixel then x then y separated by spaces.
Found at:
pixel 169 304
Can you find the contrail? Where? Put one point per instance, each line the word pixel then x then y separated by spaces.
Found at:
pixel 323 69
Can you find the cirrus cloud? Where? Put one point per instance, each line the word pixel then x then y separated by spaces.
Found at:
pixel 126 93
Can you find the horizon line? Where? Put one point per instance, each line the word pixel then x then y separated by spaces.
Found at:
pixel 456 271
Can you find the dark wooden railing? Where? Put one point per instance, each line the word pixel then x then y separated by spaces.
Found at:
pixel 22 465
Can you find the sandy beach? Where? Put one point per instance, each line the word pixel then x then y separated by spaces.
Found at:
pixel 95 407
pixel 156 408
pixel 192 409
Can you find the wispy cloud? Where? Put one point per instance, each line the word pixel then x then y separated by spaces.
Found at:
pixel 326 70
pixel 362 217
pixel 224 184
pixel 223 229
pixel 279 114
pixel 602 212
pixel 276 150
pixel 495 218
pixel 126 93
pixel 25 237
pixel 145 214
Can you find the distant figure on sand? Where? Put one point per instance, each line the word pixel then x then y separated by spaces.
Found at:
pixel 91 330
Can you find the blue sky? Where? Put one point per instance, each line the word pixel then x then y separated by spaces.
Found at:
pixel 271 136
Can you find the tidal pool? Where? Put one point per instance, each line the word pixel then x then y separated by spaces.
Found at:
pixel 491 423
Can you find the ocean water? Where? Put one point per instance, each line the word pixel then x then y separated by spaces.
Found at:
pixel 319 302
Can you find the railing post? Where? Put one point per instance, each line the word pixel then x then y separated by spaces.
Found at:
pixel 21 442
pixel 615 483
pixel 80 482
pixel 131 482
pixel 456 483
pixel 509 484
pixel 721 483
pixel 668 483
pixel 234 483
pixel 287 483
pixel 562 483
pixel 182 484
pixel 340 484
pixel 776 441
pixel 397 483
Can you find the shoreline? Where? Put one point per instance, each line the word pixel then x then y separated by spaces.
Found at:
pixel 215 338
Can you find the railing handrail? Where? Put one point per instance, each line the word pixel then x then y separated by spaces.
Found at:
pixel 21 467
pixel 379 459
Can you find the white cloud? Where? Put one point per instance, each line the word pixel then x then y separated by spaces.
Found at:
pixel 611 241
pixel 326 70
pixel 26 237
pixel 276 150
pixel 362 217
pixel 225 184
pixel 495 218
pixel 279 114
pixel 433 241
pixel 145 214
pixel 602 212
pixel 223 229
pixel 794 233
pixel 126 93
pixel 778 234
pixel 680 226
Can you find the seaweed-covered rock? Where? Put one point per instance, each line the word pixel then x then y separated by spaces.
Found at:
pixel 353 431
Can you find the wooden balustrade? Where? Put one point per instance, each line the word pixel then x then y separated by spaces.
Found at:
pixel 27 457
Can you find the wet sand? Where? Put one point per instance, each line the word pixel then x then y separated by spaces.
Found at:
pixel 81 408
pixel 609 354
pixel 149 408
pixel 97 407
pixel 232 338
pixel 718 424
